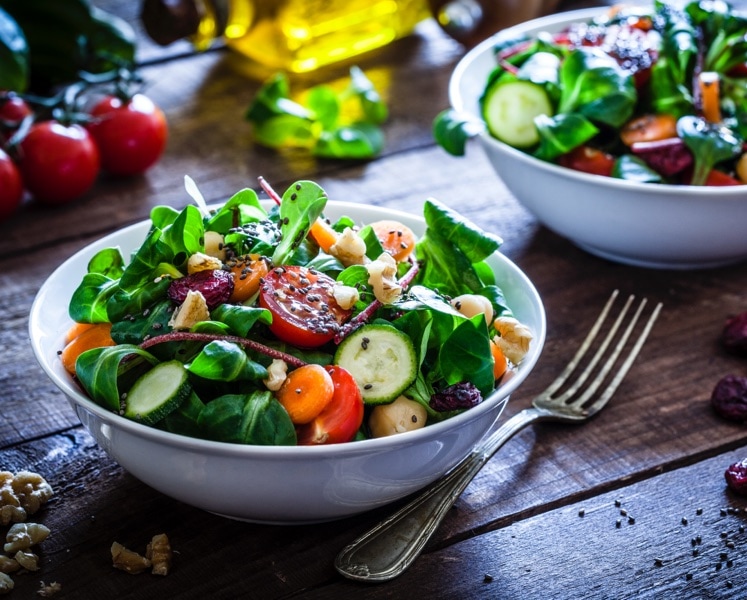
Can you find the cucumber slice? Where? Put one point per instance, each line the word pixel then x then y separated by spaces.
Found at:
pixel 509 110
pixel 157 393
pixel 382 361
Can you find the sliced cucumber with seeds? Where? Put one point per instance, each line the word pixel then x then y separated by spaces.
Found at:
pixel 157 393
pixel 382 361
pixel 509 109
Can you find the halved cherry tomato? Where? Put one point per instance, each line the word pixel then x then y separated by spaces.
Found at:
pixel 588 160
pixel 341 418
pixel 396 238
pixel 131 135
pixel 304 311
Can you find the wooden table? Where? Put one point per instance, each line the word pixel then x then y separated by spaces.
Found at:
pixel 544 519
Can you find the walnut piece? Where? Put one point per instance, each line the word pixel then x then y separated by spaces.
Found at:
pixel 22 536
pixel 159 553
pixel 6 584
pixel 514 339
pixel 382 277
pixel 127 560
pixel 28 560
pixel 47 591
pixel 21 495
pixel 8 565
pixel 276 374
pixel 349 249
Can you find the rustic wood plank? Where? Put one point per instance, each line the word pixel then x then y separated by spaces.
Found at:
pixel 97 503
pixel 560 554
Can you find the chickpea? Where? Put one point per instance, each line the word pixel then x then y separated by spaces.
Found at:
pixel 473 304
pixel 397 417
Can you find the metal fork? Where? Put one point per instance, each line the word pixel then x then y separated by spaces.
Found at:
pixel 388 549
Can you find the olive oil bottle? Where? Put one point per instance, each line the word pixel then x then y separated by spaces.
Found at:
pixel 292 35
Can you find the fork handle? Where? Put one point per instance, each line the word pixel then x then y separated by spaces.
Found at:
pixel 389 548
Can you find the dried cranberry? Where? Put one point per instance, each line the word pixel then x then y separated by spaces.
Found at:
pixel 734 335
pixel 456 397
pixel 215 285
pixel 729 398
pixel 736 477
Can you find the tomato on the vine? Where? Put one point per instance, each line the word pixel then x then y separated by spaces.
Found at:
pixel 13 110
pixel 131 135
pixel 341 418
pixel 58 162
pixel 304 311
pixel 11 186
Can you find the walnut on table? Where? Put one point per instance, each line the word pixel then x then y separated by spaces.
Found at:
pixel 21 495
pixel 159 553
pixel 127 560
pixel 157 557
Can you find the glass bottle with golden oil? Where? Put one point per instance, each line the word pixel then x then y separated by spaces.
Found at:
pixel 291 35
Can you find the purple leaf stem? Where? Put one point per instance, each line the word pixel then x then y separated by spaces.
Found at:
pixel 186 336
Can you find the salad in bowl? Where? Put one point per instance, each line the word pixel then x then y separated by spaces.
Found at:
pixel 648 94
pixel 272 325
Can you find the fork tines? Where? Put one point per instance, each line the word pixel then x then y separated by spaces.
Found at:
pixel 569 395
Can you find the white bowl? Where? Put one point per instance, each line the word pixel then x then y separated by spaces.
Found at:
pixel 649 225
pixel 278 484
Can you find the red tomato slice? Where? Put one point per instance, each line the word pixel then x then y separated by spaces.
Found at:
pixel 588 160
pixel 341 418
pixel 719 178
pixel 304 312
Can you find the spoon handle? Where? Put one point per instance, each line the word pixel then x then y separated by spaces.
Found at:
pixel 389 548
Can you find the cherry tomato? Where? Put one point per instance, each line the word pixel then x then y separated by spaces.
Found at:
pixel 131 136
pixel 588 160
pixel 11 186
pixel 304 312
pixel 341 418
pixel 59 163
pixel 13 109
pixel 715 178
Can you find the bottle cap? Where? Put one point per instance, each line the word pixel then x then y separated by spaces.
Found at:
pixel 167 21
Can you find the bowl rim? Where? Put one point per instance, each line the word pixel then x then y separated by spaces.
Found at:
pixel 74 394
pixel 554 21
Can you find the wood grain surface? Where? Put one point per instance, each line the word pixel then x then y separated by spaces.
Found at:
pixel 549 517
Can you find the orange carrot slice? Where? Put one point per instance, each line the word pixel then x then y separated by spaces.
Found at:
pixel 648 128
pixel 710 96
pixel 247 273
pixel 76 330
pixel 96 336
pixel 323 234
pixel 500 364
